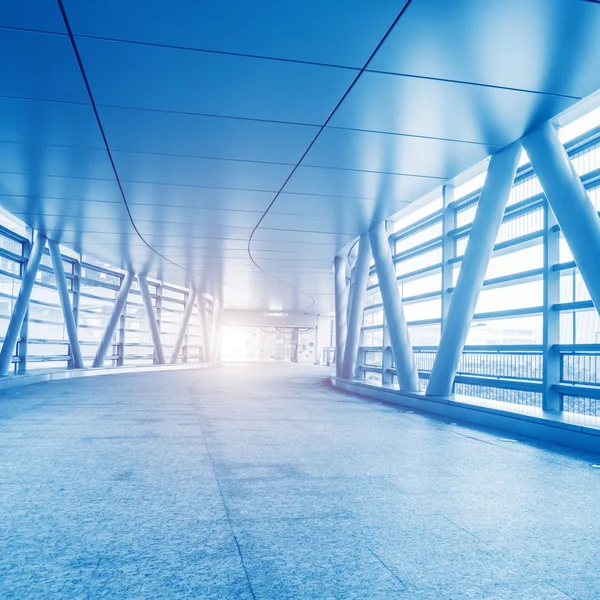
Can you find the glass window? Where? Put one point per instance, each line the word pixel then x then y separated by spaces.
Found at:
pixel 422 285
pixel 522 295
pixel 511 331
pixel 427 309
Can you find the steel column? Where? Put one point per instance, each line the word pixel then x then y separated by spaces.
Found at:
pixel 394 313
pixel 340 263
pixel 216 330
pixel 357 302
pixel 448 250
pixel 115 317
pixel 65 302
pixel 551 399
pixel 387 354
pixel 294 343
pixel 570 203
pixel 21 349
pixel 206 355
pixel 482 237
pixel 21 304
pixel 152 322
pixel 185 320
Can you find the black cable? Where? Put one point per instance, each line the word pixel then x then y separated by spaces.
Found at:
pixel 312 143
pixel 111 159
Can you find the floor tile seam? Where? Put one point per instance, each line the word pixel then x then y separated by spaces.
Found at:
pixel 224 503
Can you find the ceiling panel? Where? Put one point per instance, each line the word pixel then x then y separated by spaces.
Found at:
pixel 53 206
pixel 202 136
pixel 391 153
pixel 36 160
pixel 312 30
pixel 441 109
pixel 357 184
pixel 182 170
pixel 348 224
pixel 365 209
pixel 193 196
pixel 54 123
pixel 42 15
pixel 168 79
pixel 285 236
pixel 44 186
pixel 549 46
pixel 319 247
pixel 158 216
pixel 42 66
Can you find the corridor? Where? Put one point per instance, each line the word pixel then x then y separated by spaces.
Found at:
pixel 260 481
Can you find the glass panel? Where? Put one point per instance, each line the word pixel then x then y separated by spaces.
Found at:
pixel 420 261
pixel 430 309
pixel 514 330
pixel 420 237
pixel 423 285
pixel 522 295
pixel 424 335
pixel 418 214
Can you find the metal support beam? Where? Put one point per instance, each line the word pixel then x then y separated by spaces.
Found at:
pixel 490 211
pixel 65 302
pixel 355 320
pixel 294 343
pixel 387 355
pixel 317 343
pixel 215 349
pixel 340 263
pixel 185 320
pixel 551 399
pixel 21 304
pixel 392 306
pixel 152 322
pixel 22 343
pixel 115 317
pixel 569 202
pixel 201 301
pixel 448 250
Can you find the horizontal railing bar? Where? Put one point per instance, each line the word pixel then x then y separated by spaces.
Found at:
pixel 576 348
pixel 584 391
pixel 579 305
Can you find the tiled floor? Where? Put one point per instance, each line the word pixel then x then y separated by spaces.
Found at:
pixel 262 482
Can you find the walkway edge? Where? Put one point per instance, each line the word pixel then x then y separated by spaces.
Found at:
pixel 581 433
pixel 16 381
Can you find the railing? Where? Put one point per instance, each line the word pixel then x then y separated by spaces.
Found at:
pixel 428 254
pixel 580 364
pixel 92 288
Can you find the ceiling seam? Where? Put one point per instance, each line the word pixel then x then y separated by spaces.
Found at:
pixel 110 157
pixel 312 143
pixel 255 120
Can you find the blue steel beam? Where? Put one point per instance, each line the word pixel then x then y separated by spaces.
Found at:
pixel 206 355
pixel 215 346
pixel 21 304
pixel 340 263
pixel 394 313
pixel 151 317
pixel 490 210
pixel 115 316
pixel 357 306
pixel 569 202
pixel 65 302
pixel 185 320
